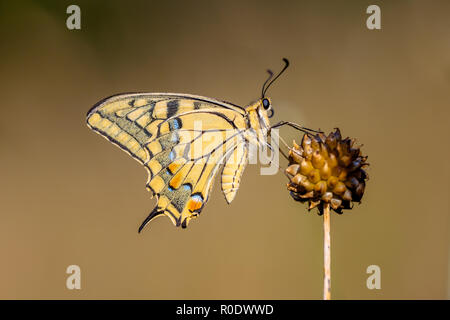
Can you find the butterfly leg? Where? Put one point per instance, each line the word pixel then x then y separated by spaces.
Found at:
pixel 295 126
pixel 278 145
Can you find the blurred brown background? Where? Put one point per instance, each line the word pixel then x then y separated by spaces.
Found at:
pixel 389 88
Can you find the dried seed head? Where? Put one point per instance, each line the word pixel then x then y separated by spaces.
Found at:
pixel 327 169
pixel 293 169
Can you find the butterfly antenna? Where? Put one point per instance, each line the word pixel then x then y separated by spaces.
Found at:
pixel 265 82
pixel 286 65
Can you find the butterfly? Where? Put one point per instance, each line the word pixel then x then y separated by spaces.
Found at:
pixel 182 140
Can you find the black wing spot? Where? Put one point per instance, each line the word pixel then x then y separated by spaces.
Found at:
pixel 172 108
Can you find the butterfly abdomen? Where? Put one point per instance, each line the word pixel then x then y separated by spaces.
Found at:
pixel 232 171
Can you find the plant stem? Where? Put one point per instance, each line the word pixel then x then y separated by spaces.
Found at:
pixel 326 253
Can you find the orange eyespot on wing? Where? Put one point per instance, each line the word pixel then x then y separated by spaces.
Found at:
pixel 195 203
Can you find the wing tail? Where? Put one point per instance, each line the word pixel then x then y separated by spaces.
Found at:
pixel 154 214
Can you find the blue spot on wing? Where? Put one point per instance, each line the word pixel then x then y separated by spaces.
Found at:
pixel 197 197
pixel 175 124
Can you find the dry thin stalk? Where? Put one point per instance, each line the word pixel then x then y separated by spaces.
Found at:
pixel 326 253
pixel 327 172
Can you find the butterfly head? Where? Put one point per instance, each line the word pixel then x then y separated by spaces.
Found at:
pixel 266 107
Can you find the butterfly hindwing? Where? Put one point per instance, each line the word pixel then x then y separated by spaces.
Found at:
pixel 183 179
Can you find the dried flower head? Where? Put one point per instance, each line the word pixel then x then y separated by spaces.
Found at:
pixel 327 169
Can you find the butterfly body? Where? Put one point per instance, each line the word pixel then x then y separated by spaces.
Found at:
pixel 182 140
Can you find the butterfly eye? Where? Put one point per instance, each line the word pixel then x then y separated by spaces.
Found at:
pixel 266 104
